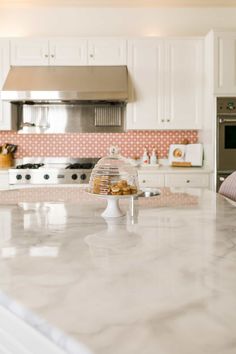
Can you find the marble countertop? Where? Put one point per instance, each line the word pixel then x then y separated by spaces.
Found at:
pixel 161 281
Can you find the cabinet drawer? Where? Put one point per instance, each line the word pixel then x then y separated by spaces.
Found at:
pixel 151 180
pixel 4 179
pixel 187 180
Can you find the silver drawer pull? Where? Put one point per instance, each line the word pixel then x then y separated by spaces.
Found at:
pixel 188 181
pixel 144 181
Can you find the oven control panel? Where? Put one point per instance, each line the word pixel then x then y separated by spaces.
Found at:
pixel 48 176
pixel 226 105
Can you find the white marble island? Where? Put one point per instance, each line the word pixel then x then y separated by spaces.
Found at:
pixel 162 282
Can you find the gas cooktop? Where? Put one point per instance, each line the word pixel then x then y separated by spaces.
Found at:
pixel 52 171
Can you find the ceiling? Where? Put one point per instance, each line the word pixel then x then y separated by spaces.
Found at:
pixel 121 3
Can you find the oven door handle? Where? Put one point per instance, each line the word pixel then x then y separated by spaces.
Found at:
pixel 227 120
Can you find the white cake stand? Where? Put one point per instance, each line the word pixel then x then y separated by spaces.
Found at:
pixel 113 207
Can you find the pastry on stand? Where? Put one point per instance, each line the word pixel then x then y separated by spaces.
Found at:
pixel 114 178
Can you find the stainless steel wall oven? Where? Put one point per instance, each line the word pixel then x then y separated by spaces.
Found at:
pixel 226 138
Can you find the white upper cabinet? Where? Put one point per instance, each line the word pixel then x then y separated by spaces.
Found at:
pixel 107 51
pixel 29 52
pixel 145 83
pixel 48 52
pixel 4 60
pixel 166 84
pixel 224 63
pixel 183 84
pixel 5 109
pixel 68 51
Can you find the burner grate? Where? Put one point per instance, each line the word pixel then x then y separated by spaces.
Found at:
pixel 82 166
pixel 32 166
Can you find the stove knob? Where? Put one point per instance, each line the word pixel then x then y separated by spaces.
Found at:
pixel 28 177
pixel 74 176
pixel 83 176
pixel 46 177
pixel 18 177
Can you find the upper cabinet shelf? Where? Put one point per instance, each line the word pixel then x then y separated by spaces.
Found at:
pixel 68 51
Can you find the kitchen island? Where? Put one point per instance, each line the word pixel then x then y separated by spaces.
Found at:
pixel 159 280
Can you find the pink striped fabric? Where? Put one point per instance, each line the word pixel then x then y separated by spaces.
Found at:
pixel 228 187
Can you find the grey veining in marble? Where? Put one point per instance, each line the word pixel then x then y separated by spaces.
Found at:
pixel 161 282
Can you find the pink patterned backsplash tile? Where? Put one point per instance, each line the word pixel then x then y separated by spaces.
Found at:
pixel 130 143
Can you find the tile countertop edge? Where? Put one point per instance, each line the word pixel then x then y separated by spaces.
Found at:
pixel 55 335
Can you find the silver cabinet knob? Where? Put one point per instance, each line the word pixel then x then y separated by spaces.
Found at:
pixel 52 55
pixel 168 120
pixel 91 55
pixel 46 55
pixel 163 120
pixel 143 181
pixel 188 181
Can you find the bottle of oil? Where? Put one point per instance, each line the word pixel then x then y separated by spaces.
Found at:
pixel 153 159
pixel 145 157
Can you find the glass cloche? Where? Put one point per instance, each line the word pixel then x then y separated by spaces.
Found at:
pixel 114 175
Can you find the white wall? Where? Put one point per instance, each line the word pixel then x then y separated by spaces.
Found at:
pixel 43 21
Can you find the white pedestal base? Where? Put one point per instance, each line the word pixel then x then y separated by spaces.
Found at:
pixel 113 209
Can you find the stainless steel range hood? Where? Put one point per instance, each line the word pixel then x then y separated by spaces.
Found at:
pixel 66 83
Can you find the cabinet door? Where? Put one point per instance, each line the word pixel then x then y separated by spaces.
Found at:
pixel 4 179
pixel 5 114
pixel 5 219
pixel 68 51
pixel 107 51
pixel 187 180
pixel 225 63
pixel 183 99
pixel 151 179
pixel 29 52
pixel 145 84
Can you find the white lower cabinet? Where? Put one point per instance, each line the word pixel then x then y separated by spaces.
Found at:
pixel 151 180
pixel 4 179
pixel 187 180
pixel 6 227
pixel 191 180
